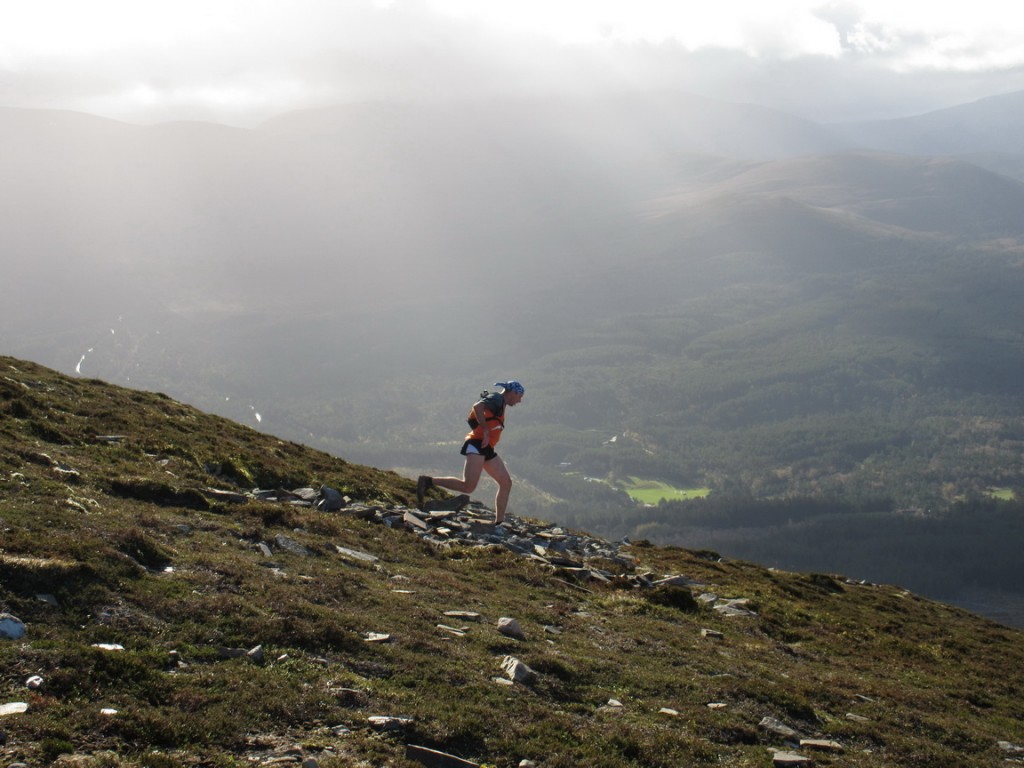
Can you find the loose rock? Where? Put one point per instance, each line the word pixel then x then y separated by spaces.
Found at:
pixel 789 759
pixel 11 627
pixel 510 628
pixel 517 671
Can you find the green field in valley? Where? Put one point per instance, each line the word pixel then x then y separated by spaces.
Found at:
pixel 1003 494
pixel 653 491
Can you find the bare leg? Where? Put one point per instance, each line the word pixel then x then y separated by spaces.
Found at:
pixel 496 469
pixel 470 476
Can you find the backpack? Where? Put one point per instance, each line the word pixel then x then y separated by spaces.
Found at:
pixel 498 417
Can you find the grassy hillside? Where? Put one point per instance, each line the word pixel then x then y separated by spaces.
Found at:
pixel 175 625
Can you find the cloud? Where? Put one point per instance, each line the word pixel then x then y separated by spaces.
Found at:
pixel 241 61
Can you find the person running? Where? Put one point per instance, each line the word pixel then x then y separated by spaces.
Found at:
pixel 486 422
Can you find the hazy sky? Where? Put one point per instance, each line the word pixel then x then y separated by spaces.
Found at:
pixel 240 61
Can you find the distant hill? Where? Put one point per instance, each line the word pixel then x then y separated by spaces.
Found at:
pixel 951 197
pixel 157 611
pixel 993 124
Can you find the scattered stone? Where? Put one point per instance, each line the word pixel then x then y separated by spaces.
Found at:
pixel 265 550
pixel 712 634
pixel 14 708
pixel 353 554
pixel 434 759
pixel 377 637
pixel 517 671
pixel 822 745
pixel 108 711
pixel 255 654
pixel 857 718
pixel 457 631
pixel 789 759
pixel 49 600
pixel 413 521
pixel 668 711
pixel 778 728
pixel 11 627
pixel 1007 746
pixel 34 683
pixel 459 521
pixel 451 504
pixel 527 764
pixel 614 704
pixel 389 723
pixel 510 628
pixel 108 646
pixel 290 545
pixel 717 705
pixel 734 608
pixel 341 730
pixel 232 497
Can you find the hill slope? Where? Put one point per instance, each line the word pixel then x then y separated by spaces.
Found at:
pixel 173 625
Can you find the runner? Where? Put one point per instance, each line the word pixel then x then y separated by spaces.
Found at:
pixel 486 422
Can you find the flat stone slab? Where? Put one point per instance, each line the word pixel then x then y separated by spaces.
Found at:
pixel 355 554
pixel 778 728
pixel 464 615
pixel 789 759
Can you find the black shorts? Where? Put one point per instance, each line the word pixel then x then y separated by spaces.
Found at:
pixel 473 447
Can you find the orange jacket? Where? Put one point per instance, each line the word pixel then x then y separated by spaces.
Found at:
pixel 494 417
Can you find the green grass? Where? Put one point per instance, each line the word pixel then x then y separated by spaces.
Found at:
pixel 653 491
pixel 1003 494
pixel 142 559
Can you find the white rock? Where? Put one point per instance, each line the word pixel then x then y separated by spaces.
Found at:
pixel 34 683
pixel 778 728
pixel 14 708
pixel 785 759
pixel 510 628
pixel 517 671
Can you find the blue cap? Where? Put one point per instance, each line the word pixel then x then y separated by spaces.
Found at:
pixel 511 386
